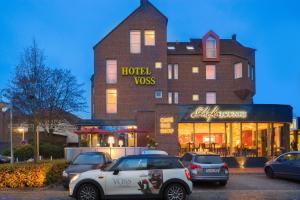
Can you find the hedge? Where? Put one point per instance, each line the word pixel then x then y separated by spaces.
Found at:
pixel 23 175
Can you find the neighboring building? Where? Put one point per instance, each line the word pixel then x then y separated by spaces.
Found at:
pixel 189 95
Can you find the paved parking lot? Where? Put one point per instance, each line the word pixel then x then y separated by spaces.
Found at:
pixel 240 187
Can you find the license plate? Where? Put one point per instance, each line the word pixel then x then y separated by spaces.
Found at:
pixel 212 170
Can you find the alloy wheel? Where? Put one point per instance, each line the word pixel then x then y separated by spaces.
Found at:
pixel 88 192
pixel 175 192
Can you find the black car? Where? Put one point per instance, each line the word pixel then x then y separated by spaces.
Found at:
pixel 284 166
pixel 4 159
pixel 84 162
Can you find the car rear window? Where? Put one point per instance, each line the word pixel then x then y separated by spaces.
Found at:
pixel 203 159
pixel 89 159
pixel 164 163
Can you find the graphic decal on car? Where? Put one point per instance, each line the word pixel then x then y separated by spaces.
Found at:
pixel 153 183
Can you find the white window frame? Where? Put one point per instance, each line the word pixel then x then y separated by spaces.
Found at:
pixel 176 72
pixel 170 97
pixel 208 100
pixel 170 71
pixel 146 34
pixel 158 94
pixel 238 76
pixel 195 70
pixel 176 97
pixel 111 78
pixel 195 97
pixel 135 46
pixel 158 65
pixel 207 67
pixel 116 104
pixel 212 50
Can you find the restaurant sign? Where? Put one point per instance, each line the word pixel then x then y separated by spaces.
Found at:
pixel 208 113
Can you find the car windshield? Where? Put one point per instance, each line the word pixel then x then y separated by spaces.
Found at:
pixel 203 159
pixel 89 159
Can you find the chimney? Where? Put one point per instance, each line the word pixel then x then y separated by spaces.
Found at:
pixel 233 37
pixel 144 2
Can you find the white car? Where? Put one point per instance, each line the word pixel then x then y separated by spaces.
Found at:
pixel 154 152
pixel 136 176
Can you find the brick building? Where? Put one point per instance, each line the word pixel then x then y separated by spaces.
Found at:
pixel 195 95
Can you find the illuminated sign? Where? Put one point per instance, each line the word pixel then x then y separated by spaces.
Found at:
pixel 166 125
pixel 209 113
pixel 141 75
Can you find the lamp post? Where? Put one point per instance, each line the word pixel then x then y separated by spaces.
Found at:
pixel 9 106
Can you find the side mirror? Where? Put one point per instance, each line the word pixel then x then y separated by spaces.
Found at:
pixel 116 172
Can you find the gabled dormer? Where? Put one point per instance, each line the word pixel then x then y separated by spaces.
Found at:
pixel 211 46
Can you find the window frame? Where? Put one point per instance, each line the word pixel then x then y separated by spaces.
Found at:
pixel 170 97
pixel 206 72
pixel 206 99
pixel 156 65
pixel 156 96
pixel 235 70
pixel 131 42
pixel 213 49
pixel 195 70
pixel 195 95
pixel 176 71
pixel 176 97
pixel 116 104
pixel 170 71
pixel 108 74
pixel 145 38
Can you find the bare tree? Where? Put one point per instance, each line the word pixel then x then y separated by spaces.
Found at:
pixel 42 95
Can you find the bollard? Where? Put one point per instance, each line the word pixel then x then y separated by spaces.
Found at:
pixel 51 158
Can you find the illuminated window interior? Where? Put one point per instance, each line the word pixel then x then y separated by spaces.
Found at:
pixel 111 71
pixel 111 101
pixel 238 70
pixel 150 38
pixel 210 72
pixel 211 47
pixel 195 70
pixel 135 42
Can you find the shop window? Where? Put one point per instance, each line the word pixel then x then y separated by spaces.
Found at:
pixel 150 38
pixel 211 98
pixel 111 71
pixel 263 139
pixel 195 97
pixel 135 42
pixel 158 94
pixel 195 70
pixel 236 139
pixel 249 137
pixel 170 97
pixel 238 70
pixel 158 65
pixel 211 47
pixel 217 136
pixel 176 97
pixel 186 136
pixel 210 72
pixel 111 101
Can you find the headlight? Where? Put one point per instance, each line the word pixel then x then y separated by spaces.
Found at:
pixel 75 177
pixel 65 174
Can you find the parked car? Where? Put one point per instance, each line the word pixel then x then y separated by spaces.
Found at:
pixel 84 162
pixel 154 152
pixel 4 159
pixel 286 165
pixel 206 167
pixel 135 176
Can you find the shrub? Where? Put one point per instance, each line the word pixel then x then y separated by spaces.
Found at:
pixel 47 150
pixel 22 152
pixel 31 175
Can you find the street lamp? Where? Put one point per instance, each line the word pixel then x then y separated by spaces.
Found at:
pixel 9 106
pixel 22 130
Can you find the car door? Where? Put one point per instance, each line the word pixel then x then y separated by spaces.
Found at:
pixel 127 177
pixel 280 164
pixel 294 166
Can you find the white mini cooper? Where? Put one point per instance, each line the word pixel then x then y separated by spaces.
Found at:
pixel 134 176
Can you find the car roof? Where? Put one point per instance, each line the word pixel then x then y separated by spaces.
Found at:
pixel 149 156
pixel 92 152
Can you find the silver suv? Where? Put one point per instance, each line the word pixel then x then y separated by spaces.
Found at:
pixel 206 167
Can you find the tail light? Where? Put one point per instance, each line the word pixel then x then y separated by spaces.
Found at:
pixel 187 174
pixel 225 166
pixel 193 166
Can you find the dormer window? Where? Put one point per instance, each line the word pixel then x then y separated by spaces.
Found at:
pixel 171 47
pixel 190 48
pixel 211 47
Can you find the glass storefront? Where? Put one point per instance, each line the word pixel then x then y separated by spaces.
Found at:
pixel 231 139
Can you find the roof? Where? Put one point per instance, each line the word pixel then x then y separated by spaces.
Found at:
pixel 142 5
pixel 227 46
pixel 88 122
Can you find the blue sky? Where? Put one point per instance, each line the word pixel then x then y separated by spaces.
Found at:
pixel 68 29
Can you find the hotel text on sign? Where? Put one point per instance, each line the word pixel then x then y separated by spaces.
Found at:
pixel 166 125
pixel 215 112
pixel 141 75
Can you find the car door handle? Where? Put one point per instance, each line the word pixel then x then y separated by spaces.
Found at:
pixel 101 177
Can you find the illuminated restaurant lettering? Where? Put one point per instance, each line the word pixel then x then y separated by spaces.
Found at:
pixel 210 113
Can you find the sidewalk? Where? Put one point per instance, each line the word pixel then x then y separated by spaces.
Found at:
pixel 246 170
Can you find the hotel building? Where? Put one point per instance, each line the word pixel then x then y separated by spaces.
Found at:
pixel 195 95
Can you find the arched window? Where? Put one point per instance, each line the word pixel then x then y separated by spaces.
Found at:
pixel 211 47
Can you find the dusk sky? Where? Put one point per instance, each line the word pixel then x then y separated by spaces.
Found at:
pixel 67 30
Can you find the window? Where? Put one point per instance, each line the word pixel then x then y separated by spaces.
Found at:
pixel 210 72
pixel 176 97
pixel 158 94
pixel 111 101
pixel 150 38
pixel 170 97
pixel 252 73
pixel 238 70
pixel 195 97
pixel 175 71
pixel 89 159
pixel 210 98
pixel 211 47
pixel 133 164
pixel 111 71
pixel 195 70
pixel 163 163
pixel 190 48
pixel 249 71
pixel 135 42
pixel 158 65
pixel 209 159
pixel 171 47
pixel 170 71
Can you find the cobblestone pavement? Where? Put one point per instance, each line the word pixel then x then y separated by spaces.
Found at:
pixel 239 187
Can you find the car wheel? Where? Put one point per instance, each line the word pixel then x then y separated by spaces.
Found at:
pixel 269 172
pixel 223 183
pixel 88 191
pixel 175 192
